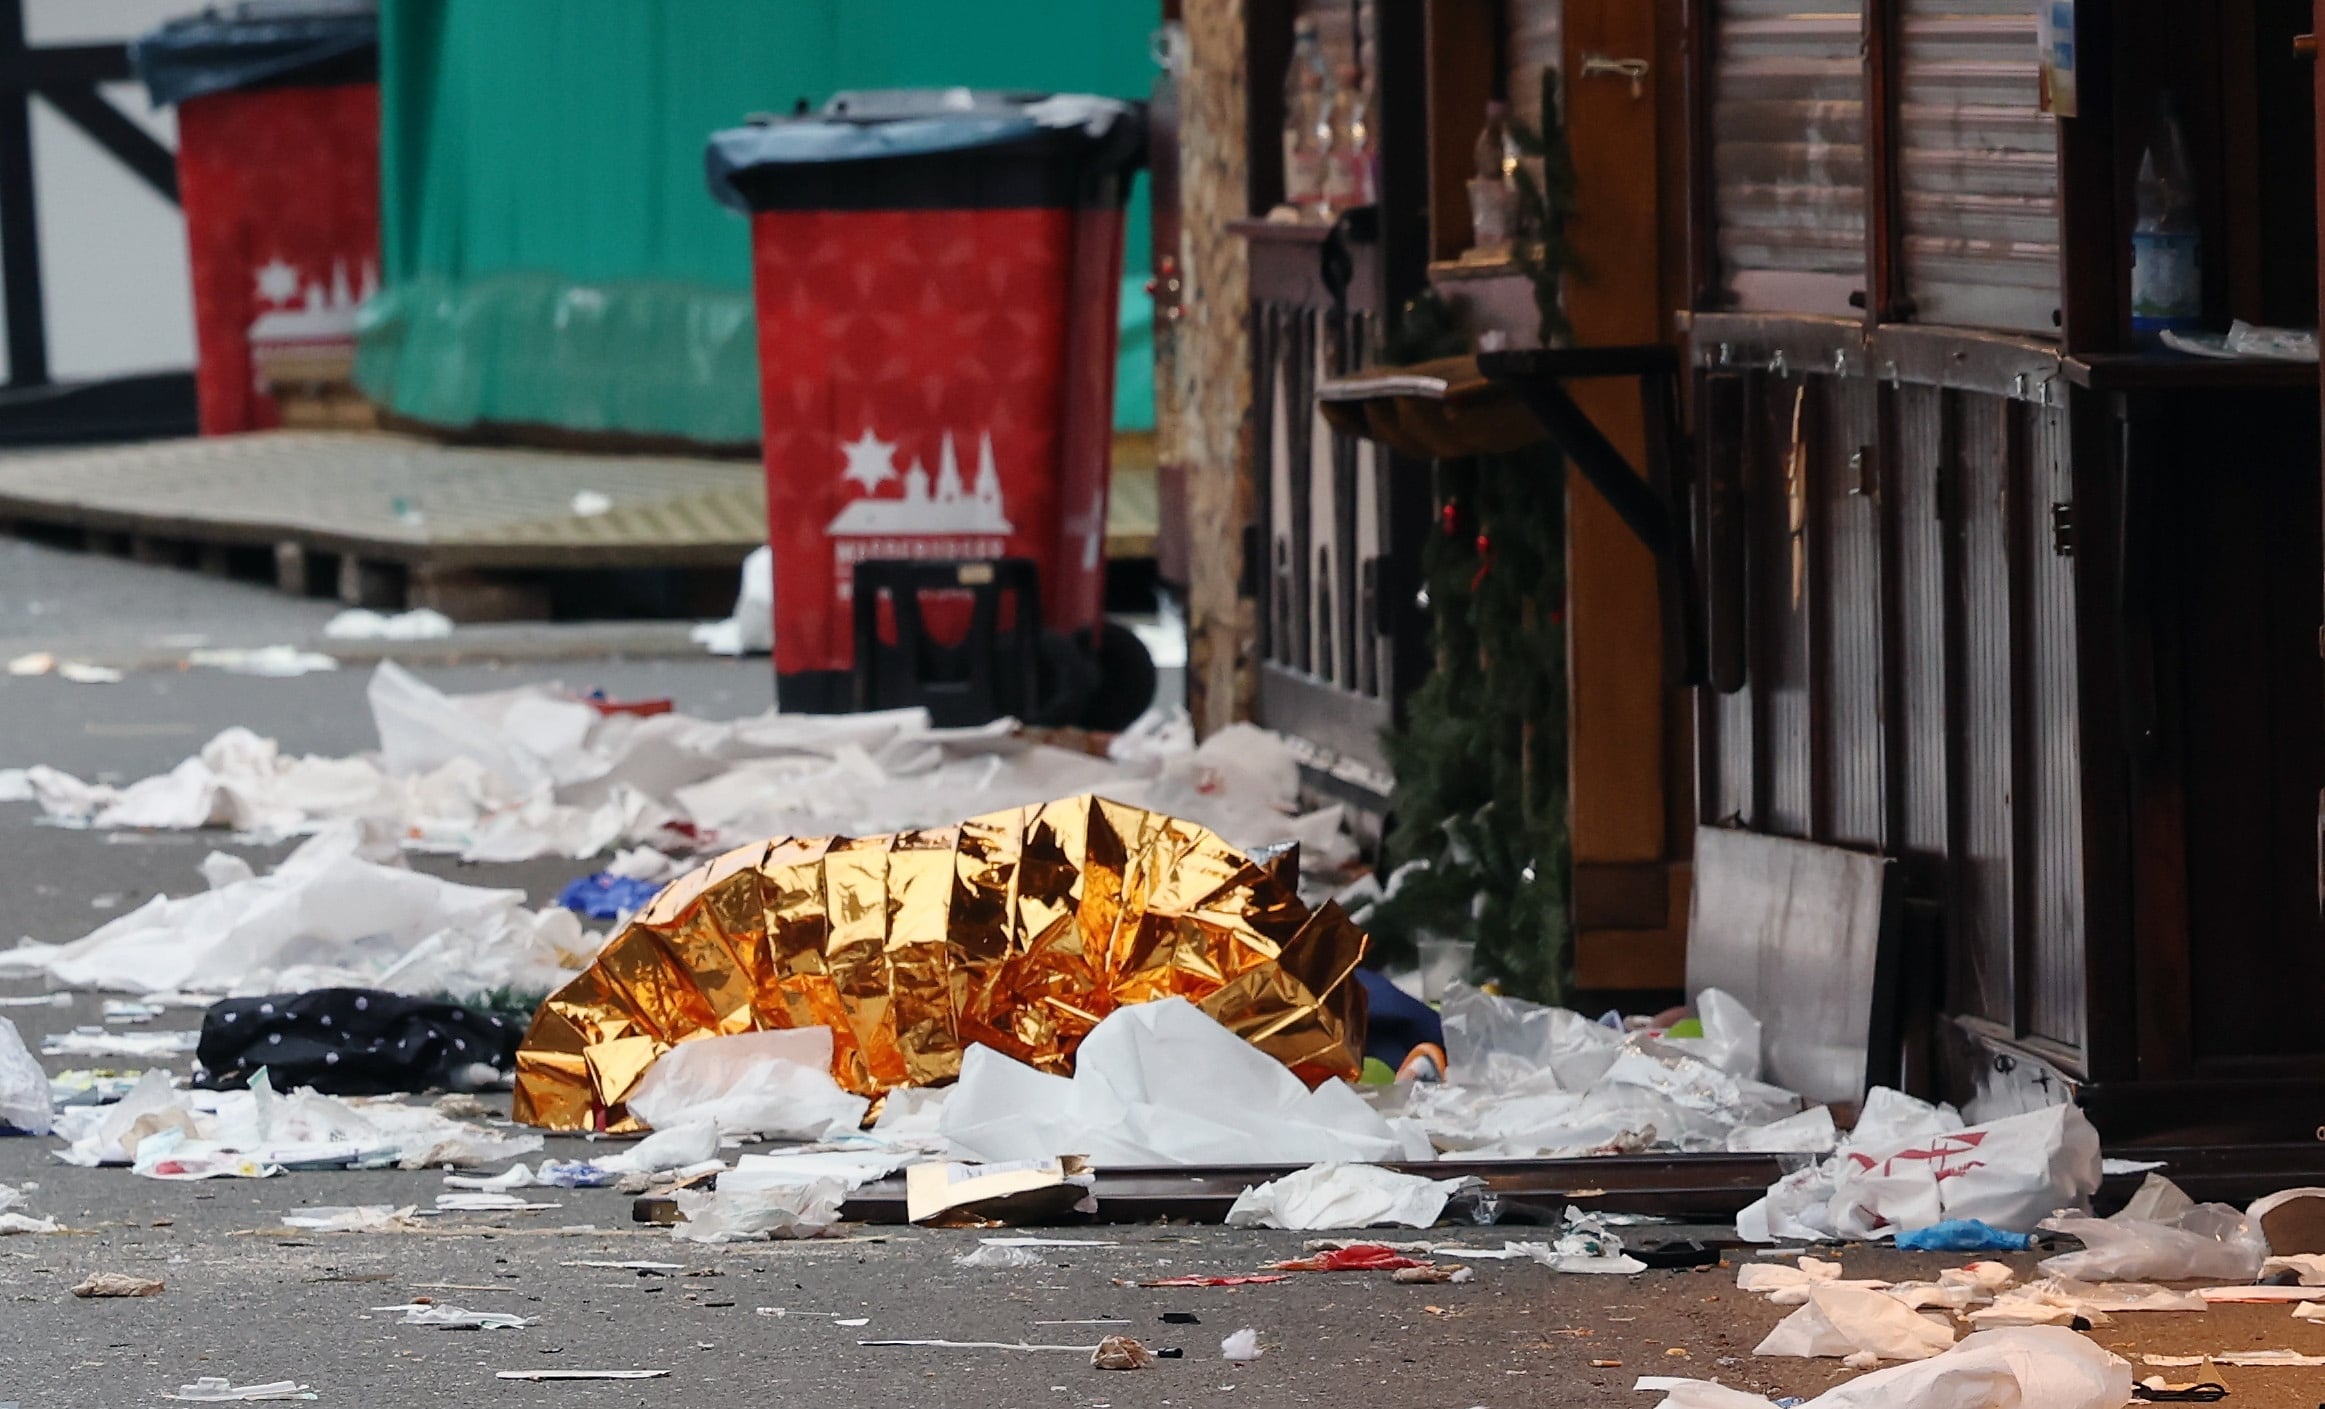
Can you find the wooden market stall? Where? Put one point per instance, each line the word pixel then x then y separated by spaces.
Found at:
pixel 1993 585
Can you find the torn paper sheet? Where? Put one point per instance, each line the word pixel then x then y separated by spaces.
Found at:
pixel 1844 1323
pixel 2308 1266
pixel 750 628
pixel 334 914
pixel 210 1389
pixel 773 1085
pixel 1344 1196
pixel 749 1215
pixel 134 1046
pixel 1788 1286
pixel 1144 1092
pixel 25 1101
pixel 361 1218
pixel 363 624
pixel 454 1318
pixel 2042 1367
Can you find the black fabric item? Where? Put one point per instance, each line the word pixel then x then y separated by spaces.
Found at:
pixel 354 1042
pixel 316 43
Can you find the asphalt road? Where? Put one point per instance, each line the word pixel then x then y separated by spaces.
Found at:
pixel 251 1301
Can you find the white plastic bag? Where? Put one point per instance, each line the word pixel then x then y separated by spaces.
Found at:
pixel 2215 1242
pixel 2011 1173
pixel 1845 1322
pixel 24 1101
pixel 2040 1367
pixel 735 1216
pixel 1344 1196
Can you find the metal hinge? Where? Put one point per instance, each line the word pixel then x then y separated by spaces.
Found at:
pixel 2063 529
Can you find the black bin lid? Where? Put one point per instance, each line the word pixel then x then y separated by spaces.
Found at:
pixel 933 149
pixel 259 44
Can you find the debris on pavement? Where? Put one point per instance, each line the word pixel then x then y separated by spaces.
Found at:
pixel 1121 1353
pixel 750 628
pixel 1344 1196
pixel 1201 1280
pixel 986 1194
pixel 2035 1367
pixel 579 1374
pixel 2307 1267
pixel 362 1218
pixel 357 1042
pixel 975 1345
pixel 2164 1235
pixel 26 1104
pixel 1858 1325
pixel 1963 1235
pixel 112 1284
pixel 1352 1257
pixel 212 1390
pixel 1433 1272
pixel 454 1318
pixel 338 912
pixel 278 662
pixel 480 1201
pixel 990 1257
pixel 773 1085
pixel 2293 1220
pixel 1242 1346
pixel 364 624
pixel 747 1215
pixel 103 1042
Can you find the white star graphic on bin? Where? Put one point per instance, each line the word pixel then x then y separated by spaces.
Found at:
pixel 278 281
pixel 871 462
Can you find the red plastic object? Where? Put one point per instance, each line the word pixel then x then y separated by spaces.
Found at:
pixel 1356 1257
pixel 643 709
pixel 280 188
pixel 1211 1281
pixel 936 384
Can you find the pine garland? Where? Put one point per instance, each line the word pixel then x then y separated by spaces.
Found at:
pixel 1479 848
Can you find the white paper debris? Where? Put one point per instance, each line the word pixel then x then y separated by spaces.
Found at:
pixel 454 1318
pixel 1841 1322
pixel 773 1085
pixel 487 1201
pixel 331 915
pixel 1241 1347
pixel 136 1046
pixel 516 1176
pixel 990 1257
pixel 24 1094
pixel 2308 1266
pixel 734 1216
pixel 278 662
pixel 1344 1196
pixel 1809 1133
pixel 16 785
pixel 1145 1091
pixel 750 628
pixel 1786 1286
pixel 674 1148
pixel 852 1168
pixel 2042 1367
pixel 363 624
pixel 360 1218
pixel 211 1389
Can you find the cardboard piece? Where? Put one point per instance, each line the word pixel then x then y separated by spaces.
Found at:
pixel 1020 1191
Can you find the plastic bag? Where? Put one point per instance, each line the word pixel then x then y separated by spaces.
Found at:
pixel 2215 1242
pixel 1846 1322
pixel 776 1085
pixel 2042 1367
pixel 2010 1173
pixel 24 1100
pixel 1344 1196
pixel 734 1216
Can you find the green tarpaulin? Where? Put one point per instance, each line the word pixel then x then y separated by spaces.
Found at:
pixel 551 253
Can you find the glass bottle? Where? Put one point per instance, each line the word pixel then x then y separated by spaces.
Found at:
pixel 2167 243
pixel 1306 116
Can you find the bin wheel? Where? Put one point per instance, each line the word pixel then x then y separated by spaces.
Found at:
pixel 1126 680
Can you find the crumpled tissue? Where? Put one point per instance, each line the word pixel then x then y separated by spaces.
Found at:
pixel 2035 1367
pixel 1344 1196
pixel 774 1085
pixel 1146 1090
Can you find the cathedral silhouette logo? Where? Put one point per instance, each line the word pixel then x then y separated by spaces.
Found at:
pixel 911 515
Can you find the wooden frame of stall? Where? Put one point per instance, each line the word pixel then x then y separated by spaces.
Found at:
pixel 2029 607
pixel 1314 629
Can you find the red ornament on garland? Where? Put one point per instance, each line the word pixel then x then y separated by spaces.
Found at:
pixel 1484 561
pixel 1449 517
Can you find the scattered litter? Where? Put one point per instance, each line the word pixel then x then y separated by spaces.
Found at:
pixel 481 1201
pixel 358 1042
pixel 978 1345
pixel 1908 1165
pixel 770 1085
pixel 2309 1311
pixel 2162 1234
pixel 852 1168
pixel 730 1215
pixel 750 628
pixel 1433 1273
pixel 137 1046
pixel 123 1010
pixel 574 1174
pixel 37 1000
pixel 360 1218
pixel 2308 1266
pixel 210 1390
pixel 2037 1367
pixel 1963 1235
pixel 1012 1190
pixel 363 624
pixel 1842 1322
pixel 13 1223
pixel 331 915
pixel 1343 1196
pixel 2261 1294
pixel 1198 1280
pixel 579 1374
pixel 107 1284
pixel 1121 1353
pixel 673 1147
pixel 991 1258
pixel 1787 1286
pixel 277 662
pixel 1048 1243
pixel 32 663
pixel 1352 1257
pixel 16 785
pixel 1242 1346
pixel 516 1176
pixel 602 895
pixel 2113 1167
pixel 636 1267
pixel 25 1100
pixel 453 1318
pixel 2293 1220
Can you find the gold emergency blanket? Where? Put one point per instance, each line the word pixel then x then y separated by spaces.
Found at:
pixel 1018 930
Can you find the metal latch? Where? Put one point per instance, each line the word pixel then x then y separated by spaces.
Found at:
pixel 1636 70
pixel 2063 529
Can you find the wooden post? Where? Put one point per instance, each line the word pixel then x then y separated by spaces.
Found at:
pixel 1214 362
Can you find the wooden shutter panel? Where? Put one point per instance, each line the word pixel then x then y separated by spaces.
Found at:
pixel 1788 144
